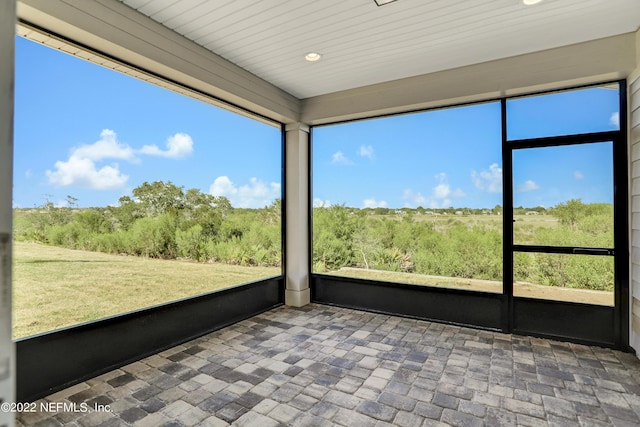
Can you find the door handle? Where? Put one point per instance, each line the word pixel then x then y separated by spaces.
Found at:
pixel 593 251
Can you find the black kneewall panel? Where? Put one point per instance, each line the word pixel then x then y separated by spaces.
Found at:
pixel 475 309
pixel 53 361
pixel 591 324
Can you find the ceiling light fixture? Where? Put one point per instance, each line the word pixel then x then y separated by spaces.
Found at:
pixel 312 56
pixel 383 2
pixel 531 2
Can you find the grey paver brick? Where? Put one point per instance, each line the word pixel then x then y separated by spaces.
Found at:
pixel 526 408
pixel 265 406
pixel 428 410
pixel 501 390
pixel 231 412
pixel 303 402
pixel 376 410
pixel 212 421
pixel 456 418
pixel 445 401
pixel 344 400
pixel 324 409
pixel 284 413
pixel 193 416
pixel 132 415
pixel 348 418
pixel 176 408
pixel 398 387
pixel 397 401
pixel 453 390
pixel 527 421
pixel 472 408
pixel 527 396
pixel 611 397
pixel 308 420
pixel 621 413
pixel 286 393
pixel 588 422
pixel 407 419
pixel 95 418
pixel 500 418
pixel 152 420
pixel 326 366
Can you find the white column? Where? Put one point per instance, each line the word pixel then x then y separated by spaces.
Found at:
pixel 7 351
pixel 297 291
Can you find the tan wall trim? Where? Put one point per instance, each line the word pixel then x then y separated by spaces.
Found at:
pixel 635 315
pixel 636 74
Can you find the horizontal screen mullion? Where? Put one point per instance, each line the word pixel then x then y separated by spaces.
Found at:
pixel 571 250
pixel 564 140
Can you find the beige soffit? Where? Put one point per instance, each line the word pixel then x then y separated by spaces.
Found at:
pixel 362 44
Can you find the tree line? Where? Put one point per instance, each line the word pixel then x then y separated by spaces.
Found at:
pixel 461 247
pixel 162 220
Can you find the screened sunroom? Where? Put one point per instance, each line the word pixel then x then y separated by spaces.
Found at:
pixel 300 193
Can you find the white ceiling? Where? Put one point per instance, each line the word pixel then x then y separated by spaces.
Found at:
pixel 363 44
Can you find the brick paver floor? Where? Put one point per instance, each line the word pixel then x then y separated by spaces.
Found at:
pixel 326 366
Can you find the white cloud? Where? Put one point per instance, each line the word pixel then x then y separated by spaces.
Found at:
pixel 440 197
pixel 80 169
pixel 489 180
pixel 107 147
pixel 28 173
pixel 578 175
pixel 373 203
pixel 82 172
pixel 178 146
pixel 441 191
pixel 528 185
pixel 413 198
pixel 339 158
pixel 366 151
pixel 222 186
pixel 615 119
pixel 319 203
pixel 256 194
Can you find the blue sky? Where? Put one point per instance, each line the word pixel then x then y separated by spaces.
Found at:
pixel 453 158
pixel 94 134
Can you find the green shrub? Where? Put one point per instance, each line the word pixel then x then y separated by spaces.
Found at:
pixel 153 237
pixel 190 243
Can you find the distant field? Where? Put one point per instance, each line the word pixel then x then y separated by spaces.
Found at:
pixel 56 287
pixel 541 220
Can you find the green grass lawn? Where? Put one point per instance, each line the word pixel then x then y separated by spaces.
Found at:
pixel 55 287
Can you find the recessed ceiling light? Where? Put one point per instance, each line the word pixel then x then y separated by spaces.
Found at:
pixel 531 2
pixel 312 56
